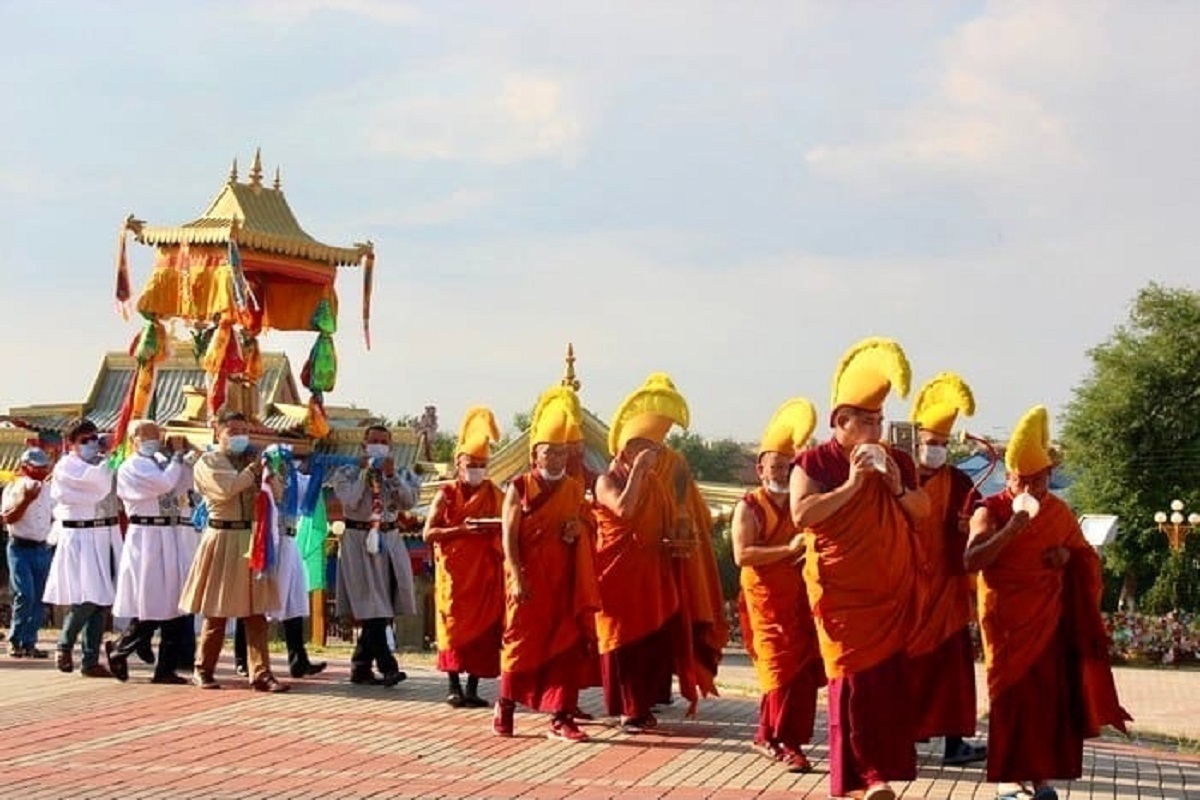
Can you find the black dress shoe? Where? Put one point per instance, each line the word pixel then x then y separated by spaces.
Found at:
pixel 394 677
pixel 475 701
pixel 170 679
pixel 63 661
pixel 302 669
pixel 118 665
pixel 315 667
pixel 456 700
pixel 364 678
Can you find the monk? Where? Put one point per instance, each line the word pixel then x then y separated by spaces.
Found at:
pixel 941 669
pixel 549 627
pixel 857 498
pixel 463 526
pixel 1045 644
pixel 777 623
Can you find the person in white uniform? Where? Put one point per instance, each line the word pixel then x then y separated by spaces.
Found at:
pixel 25 509
pixel 88 536
pixel 156 556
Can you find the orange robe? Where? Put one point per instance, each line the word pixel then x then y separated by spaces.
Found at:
pixel 860 570
pixel 549 637
pixel 1046 648
pixel 469 583
pixel 702 603
pixel 639 602
pixel 778 630
pixel 941 668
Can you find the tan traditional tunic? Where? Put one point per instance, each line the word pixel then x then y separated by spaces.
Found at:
pixel 221 583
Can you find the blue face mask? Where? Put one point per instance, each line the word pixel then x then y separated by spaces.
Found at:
pixel 149 447
pixel 238 444
pixel 89 451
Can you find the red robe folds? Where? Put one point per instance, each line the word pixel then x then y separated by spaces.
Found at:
pixel 860 569
pixel 469 583
pixel 778 629
pixel 941 666
pixel 639 603
pixel 1046 648
pixel 549 638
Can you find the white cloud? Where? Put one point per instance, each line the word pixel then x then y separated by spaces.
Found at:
pixel 384 12
pixel 471 111
pixel 458 205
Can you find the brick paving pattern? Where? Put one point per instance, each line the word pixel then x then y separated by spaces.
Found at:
pixel 66 736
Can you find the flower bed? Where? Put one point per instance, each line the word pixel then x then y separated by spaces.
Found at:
pixel 1142 638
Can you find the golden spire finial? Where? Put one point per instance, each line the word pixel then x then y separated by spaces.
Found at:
pixel 233 172
pixel 278 181
pixel 256 168
pixel 569 378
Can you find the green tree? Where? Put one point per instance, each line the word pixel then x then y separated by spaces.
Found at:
pixel 443 447
pixel 1131 435
pixel 719 461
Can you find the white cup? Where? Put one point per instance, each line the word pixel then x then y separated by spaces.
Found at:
pixel 1027 503
pixel 876 455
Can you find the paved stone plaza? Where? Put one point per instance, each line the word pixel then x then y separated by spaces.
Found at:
pixel 66 736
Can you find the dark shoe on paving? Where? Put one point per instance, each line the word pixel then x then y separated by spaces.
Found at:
pixel 171 680
pixel 33 652
pixel 95 671
pixel 1046 793
pixel 315 668
pixel 302 669
pixel 268 683
pixel 565 730
pixel 363 677
pixel 63 661
pixel 16 652
pixel 240 669
pixel 456 700
pixel 117 663
pixel 638 724
pixel 502 718
pixel 965 754
pixel 475 701
pixel 204 680
pixel 145 651
pixel 795 761
pixel 394 677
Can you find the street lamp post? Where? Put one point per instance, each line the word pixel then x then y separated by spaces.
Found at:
pixel 1177 527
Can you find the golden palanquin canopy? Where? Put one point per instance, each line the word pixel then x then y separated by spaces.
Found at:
pixel 244 266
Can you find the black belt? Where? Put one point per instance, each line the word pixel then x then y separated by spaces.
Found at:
pixel 157 521
pixel 354 525
pixel 289 532
pixel 107 522
pixel 25 544
pixel 229 524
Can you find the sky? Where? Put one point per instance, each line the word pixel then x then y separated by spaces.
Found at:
pixel 732 193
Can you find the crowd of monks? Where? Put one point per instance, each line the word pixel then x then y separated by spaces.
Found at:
pixel 862 568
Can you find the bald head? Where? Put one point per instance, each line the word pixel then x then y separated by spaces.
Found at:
pixel 146 437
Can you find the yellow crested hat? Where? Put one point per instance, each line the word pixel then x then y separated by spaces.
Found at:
pixel 789 428
pixel 648 413
pixel 477 432
pixel 1028 451
pixel 867 372
pixel 939 402
pixel 555 418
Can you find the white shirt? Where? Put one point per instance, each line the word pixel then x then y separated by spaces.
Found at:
pixel 143 485
pixel 35 524
pixel 79 489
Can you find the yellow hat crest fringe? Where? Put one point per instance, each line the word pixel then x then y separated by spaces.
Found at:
pixel 1028 451
pixel 790 427
pixel 477 432
pixel 866 373
pixel 657 396
pixel 560 398
pixel 939 402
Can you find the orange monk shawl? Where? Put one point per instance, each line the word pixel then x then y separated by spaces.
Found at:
pixel 1024 605
pixel 777 624
pixel 468 569
pixel 860 571
pixel 946 590
pixel 560 578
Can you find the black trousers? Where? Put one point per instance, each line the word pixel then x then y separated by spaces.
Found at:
pixel 141 631
pixel 293 636
pixel 372 648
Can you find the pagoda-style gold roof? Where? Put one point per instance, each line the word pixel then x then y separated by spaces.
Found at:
pixel 257 217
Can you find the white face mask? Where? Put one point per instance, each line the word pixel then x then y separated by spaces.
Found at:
pixel 148 447
pixel 777 488
pixel 933 456
pixel 551 476
pixel 378 450
pixel 475 475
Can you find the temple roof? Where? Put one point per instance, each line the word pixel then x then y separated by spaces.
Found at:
pixel 258 217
